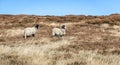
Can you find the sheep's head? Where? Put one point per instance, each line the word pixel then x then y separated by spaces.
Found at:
pixel 37 26
pixel 63 27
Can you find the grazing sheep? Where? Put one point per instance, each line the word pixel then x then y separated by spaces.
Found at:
pixel 30 31
pixel 59 31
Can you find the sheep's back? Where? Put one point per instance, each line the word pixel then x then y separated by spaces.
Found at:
pixel 29 31
pixel 57 31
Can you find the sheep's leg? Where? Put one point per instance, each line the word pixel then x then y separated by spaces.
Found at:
pixel 63 37
pixel 25 36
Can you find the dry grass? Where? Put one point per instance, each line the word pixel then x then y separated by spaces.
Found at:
pixel 45 55
pixel 90 40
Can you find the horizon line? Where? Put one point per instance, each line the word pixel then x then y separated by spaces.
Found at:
pixel 64 15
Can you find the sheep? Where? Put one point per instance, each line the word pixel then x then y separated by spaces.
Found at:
pixel 30 31
pixel 60 32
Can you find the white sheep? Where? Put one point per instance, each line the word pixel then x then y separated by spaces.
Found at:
pixel 30 31
pixel 59 31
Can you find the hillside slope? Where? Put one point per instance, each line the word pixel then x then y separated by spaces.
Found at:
pixel 90 40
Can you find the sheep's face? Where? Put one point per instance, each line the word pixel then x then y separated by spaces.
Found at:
pixel 37 26
pixel 63 27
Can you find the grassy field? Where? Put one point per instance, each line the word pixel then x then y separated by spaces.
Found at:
pixel 90 40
